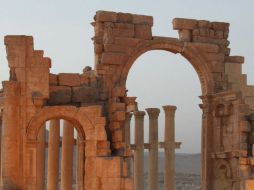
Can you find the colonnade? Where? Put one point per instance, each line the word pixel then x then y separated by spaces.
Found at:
pixel 169 145
pixel 48 178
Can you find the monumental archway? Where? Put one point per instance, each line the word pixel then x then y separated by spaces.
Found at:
pixel 97 103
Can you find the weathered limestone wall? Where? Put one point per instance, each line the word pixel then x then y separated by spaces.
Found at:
pixel 75 89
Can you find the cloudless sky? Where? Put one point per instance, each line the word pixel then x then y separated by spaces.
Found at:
pixel 62 29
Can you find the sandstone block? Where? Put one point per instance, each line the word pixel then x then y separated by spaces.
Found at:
pixel 105 16
pixel 234 59
pixel 123 30
pixel 210 48
pixel 181 23
pixel 220 25
pixel 98 28
pixel 219 34
pixel 113 58
pixel 103 144
pixel 119 116
pixel 117 135
pixel 114 126
pixel 110 183
pixel 84 80
pixel 128 184
pixel 220 57
pixel 20 74
pixel 59 95
pixel 84 94
pixel 195 32
pixel 185 35
pixel 142 19
pixel 117 107
pixel 117 48
pixel 143 32
pixel 204 32
pixel 53 79
pixel 69 79
pixel 204 24
pixel 126 41
pixel 124 17
pixel 202 39
pixel 98 48
pixel 90 149
pixel 118 145
pixel 118 92
pixel 93 81
pixel 217 66
pixel 211 33
pixel 108 167
pixel 249 184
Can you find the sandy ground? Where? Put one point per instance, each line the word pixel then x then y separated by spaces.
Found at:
pixel 187 171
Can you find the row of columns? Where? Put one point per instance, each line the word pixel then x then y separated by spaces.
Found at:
pixel 53 156
pixel 169 147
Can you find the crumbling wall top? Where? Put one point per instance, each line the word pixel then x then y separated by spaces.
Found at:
pixel 106 16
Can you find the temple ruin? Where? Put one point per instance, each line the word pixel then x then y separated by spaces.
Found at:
pixel 95 112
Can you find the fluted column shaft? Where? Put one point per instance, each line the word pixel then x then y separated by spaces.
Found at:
pixel 139 151
pixel 169 171
pixel 40 162
pixel 153 114
pixel 67 156
pixel 53 154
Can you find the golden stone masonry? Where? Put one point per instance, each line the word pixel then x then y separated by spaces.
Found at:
pixel 95 112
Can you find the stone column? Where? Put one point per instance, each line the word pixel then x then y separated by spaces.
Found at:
pixel 80 163
pixel 67 156
pixel 139 151
pixel 53 154
pixel 128 151
pixel 127 128
pixel 207 143
pixel 153 114
pixel 169 169
pixel 40 162
pixel 10 142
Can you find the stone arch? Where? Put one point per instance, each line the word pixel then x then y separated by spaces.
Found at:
pixel 79 117
pixel 222 175
pixel 193 56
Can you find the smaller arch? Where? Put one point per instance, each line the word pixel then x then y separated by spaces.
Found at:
pixel 223 165
pixel 75 115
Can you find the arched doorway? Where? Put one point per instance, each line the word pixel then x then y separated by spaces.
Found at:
pixel 88 133
pixel 207 86
pixel 160 78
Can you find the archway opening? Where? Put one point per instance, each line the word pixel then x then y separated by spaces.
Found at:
pixel 57 156
pixel 158 78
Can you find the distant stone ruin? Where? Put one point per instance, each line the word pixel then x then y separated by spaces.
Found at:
pixel 96 105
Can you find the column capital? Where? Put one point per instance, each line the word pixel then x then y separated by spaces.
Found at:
pixel 139 114
pixel 129 115
pixel 153 113
pixel 169 109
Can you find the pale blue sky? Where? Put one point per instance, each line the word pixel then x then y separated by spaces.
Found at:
pixel 62 29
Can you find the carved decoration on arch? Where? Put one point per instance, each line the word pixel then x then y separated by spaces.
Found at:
pixel 83 119
pixel 173 45
pixel 223 175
